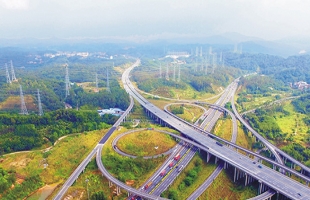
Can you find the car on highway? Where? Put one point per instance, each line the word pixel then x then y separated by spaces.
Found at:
pixel 180 168
pixel 259 166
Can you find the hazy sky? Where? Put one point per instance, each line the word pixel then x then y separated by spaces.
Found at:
pixel 268 19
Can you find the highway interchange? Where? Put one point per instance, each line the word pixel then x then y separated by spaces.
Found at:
pixel 269 177
pixel 272 178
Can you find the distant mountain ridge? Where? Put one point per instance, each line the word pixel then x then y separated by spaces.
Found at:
pixel 284 47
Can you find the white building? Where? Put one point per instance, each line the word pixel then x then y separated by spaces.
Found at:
pixel 112 111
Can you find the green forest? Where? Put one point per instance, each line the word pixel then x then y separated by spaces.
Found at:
pixel 263 120
pixel 25 132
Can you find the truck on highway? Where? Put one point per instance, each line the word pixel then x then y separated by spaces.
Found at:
pixel 177 157
pixel 148 185
pixel 171 164
pixel 163 173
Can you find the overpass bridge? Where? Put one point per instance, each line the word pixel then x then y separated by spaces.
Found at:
pixel 243 165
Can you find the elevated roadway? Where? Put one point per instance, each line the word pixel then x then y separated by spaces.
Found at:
pixel 209 119
pixel 276 151
pixel 279 182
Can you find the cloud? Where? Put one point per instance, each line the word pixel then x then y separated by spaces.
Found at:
pixel 15 4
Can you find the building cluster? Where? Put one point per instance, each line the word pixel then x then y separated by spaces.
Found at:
pixel 67 54
pixel 301 85
pixel 111 111
pixel 79 54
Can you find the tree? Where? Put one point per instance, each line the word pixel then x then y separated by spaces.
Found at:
pixel 98 196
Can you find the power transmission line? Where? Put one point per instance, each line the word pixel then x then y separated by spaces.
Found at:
pixel 39 104
pixel 67 81
pixel 23 107
pixel 8 79
pixel 13 72
pixel 108 84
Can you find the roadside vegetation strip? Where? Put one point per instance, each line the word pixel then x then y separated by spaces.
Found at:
pixel 202 175
pixel 163 144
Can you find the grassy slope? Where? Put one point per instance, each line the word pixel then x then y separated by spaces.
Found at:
pixel 108 150
pixel 292 124
pixel 63 158
pixel 143 143
pixel 191 113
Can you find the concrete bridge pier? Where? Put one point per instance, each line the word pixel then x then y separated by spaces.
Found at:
pixel 118 190
pixel 110 184
pixel 260 187
pixel 216 159
pixel 246 179
pixel 208 156
pixel 251 179
pixel 235 174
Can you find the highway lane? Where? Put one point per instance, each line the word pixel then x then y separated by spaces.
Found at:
pixel 224 153
pixel 157 183
pixel 207 183
pixel 178 148
pixel 174 172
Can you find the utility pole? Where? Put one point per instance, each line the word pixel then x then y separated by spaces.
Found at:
pixel 67 81
pixel 206 71
pixel 23 108
pixel 160 70
pixel 97 89
pixel 179 76
pixel 8 79
pixel 13 72
pixel 167 73
pixel 174 71
pixel 87 188
pixel 39 104
pixel 108 83
pixel 214 62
